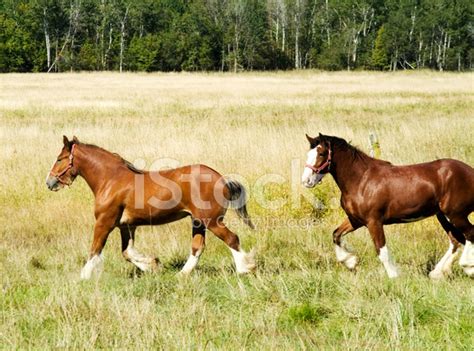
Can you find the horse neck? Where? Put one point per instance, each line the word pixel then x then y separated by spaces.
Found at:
pixel 348 170
pixel 92 166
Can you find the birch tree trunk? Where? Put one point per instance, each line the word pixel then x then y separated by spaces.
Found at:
pixel 46 38
pixel 297 35
pixel 73 23
pixel 328 30
pixel 122 37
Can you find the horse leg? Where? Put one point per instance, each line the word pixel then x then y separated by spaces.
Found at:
pixel 467 258
pixel 443 267
pixel 342 255
pixel 378 237
pixel 244 263
pixel 144 263
pixel 102 228
pixel 197 246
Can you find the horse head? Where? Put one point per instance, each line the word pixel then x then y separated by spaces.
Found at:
pixel 318 160
pixel 62 172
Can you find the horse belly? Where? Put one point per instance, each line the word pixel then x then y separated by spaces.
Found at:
pixel 149 218
pixel 411 209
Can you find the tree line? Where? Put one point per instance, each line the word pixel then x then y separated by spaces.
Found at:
pixel 234 35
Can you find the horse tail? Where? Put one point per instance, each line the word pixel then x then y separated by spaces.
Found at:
pixel 449 228
pixel 238 200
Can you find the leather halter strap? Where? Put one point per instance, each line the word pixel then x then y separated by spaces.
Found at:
pixel 69 166
pixel 325 165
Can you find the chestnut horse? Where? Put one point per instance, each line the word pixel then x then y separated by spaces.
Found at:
pixel 126 197
pixel 375 192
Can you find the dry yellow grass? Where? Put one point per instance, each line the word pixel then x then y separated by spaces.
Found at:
pixel 249 124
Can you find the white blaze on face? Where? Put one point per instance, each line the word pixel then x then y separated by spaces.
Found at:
pixel 50 170
pixel 308 173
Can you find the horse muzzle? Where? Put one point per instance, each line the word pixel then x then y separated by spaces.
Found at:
pixel 315 179
pixel 53 184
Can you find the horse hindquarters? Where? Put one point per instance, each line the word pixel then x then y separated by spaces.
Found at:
pixel 218 194
pixel 457 204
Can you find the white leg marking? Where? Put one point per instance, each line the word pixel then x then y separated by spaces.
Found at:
pixel 244 263
pixel 143 262
pixel 191 263
pixel 344 256
pixel 93 265
pixel 467 259
pixel 443 268
pixel 390 267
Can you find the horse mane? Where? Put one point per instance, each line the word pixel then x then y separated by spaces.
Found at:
pixel 119 158
pixel 341 144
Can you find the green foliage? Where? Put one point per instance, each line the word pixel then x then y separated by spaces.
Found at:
pixel 87 57
pixel 234 35
pixel 141 54
pixel 379 53
pixel 15 47
pixel 332 58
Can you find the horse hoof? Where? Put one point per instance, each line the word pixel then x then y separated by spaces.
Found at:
pixel 393 275
pixel 250 267
pixel 436 275
pixel 351 262
pixel 244 262
pixel 469 271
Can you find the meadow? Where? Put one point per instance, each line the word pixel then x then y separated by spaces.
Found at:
pixel 251 125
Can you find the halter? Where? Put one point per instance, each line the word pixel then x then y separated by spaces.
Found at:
pixel 324 165
pixel 69 166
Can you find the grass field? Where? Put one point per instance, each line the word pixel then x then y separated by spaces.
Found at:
pixel 252 125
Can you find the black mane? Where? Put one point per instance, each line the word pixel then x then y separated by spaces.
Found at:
pixel 340 144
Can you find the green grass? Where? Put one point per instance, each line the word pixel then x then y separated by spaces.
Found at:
pixel 249 124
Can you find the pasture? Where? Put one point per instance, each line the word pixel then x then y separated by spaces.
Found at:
pixel 250 125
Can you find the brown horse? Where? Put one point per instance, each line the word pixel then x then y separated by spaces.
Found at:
pixel 126 197
pixel 375 192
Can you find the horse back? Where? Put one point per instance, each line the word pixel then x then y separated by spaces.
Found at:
pixel 412 192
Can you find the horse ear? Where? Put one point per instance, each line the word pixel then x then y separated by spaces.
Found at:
pixel 309 139
pixel 75 140
pixel 67 143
